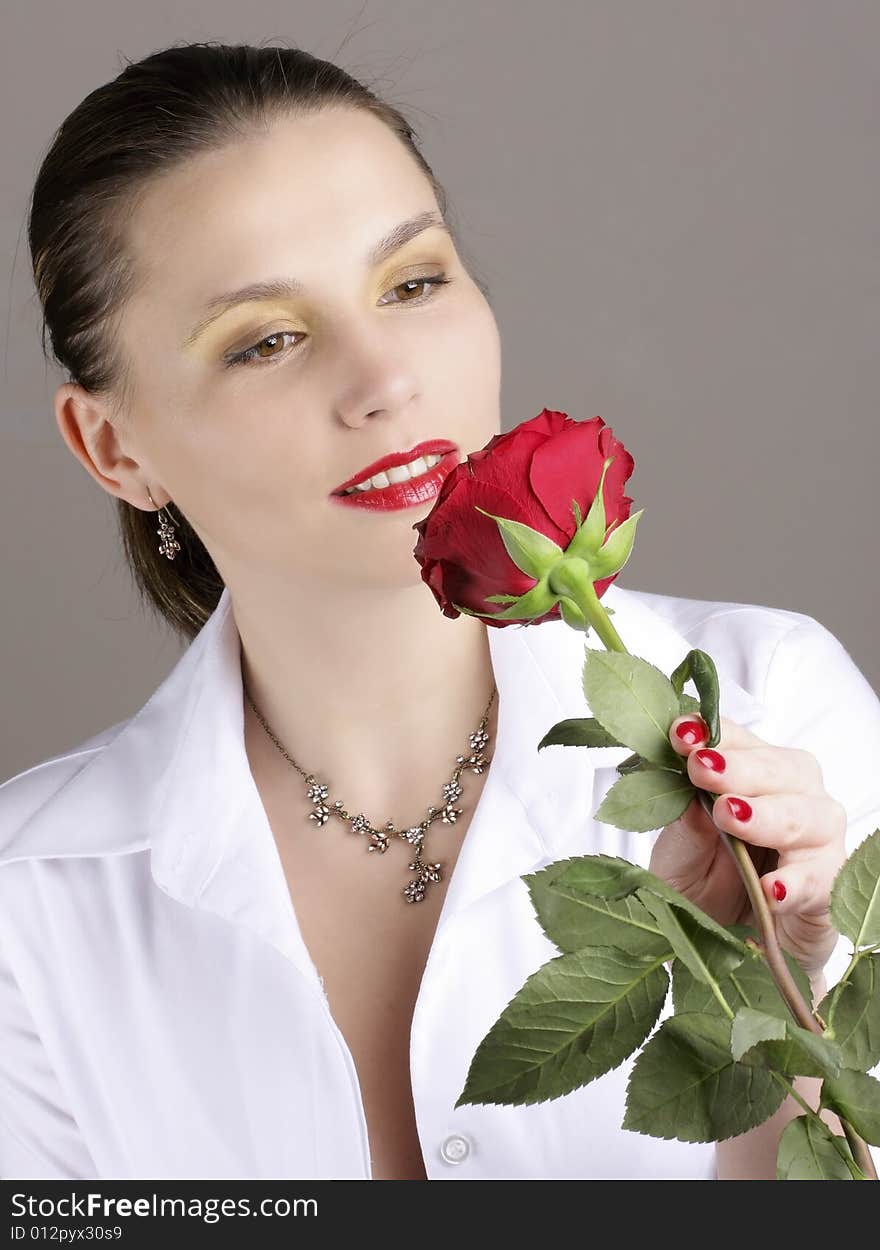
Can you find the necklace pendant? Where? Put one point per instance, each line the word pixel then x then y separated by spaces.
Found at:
pixel 415 890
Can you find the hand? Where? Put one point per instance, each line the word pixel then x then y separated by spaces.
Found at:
pixel 796 836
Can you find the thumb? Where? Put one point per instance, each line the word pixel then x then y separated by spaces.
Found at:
pixel 684 850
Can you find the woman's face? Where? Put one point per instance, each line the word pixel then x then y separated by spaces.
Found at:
pixel 357 364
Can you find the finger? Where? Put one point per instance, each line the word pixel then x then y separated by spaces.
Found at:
pixel 689 732
pixel 788 823
pixel 755 770
pixel 802 887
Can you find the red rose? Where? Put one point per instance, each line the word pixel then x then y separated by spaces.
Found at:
pixel 530 474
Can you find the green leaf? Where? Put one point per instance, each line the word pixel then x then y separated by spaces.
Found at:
pixel 750 985
pixel 700 667
pixel 532 552
pixel 854 1019
pixel 855 1096
pixel 686 1085
pixel 612 877
pixel 646 798
pixel 577 1017
pixel 634 763
pixel 634 701
pixel 578 731
pixel 767 1041
pixel 606 875
pixel 573 920
pixel 807 1152
pixel 855 894
pixel 708 957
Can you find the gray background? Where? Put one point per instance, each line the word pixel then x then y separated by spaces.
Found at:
pixel 675 205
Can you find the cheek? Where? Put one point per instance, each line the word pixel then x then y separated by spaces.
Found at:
pixel 470 349
pixel 484 380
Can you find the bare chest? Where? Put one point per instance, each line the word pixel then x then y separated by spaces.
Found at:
pixel 370 948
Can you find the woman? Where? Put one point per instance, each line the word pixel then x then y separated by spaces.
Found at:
pixel 246 268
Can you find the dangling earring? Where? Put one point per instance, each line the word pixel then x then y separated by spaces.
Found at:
pixel 168 544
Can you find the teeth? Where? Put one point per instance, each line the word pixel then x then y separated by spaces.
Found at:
pixel 400 473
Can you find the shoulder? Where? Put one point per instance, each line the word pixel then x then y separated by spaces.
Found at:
pixel 748 639
pixel 744 639
pixel 724 619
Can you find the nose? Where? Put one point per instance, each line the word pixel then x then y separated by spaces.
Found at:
pixel 381 380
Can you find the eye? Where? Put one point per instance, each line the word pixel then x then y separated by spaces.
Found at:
pixel 256 355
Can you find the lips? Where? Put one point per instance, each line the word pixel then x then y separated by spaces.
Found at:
pixel 435 446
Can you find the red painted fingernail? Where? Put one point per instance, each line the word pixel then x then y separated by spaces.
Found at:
pixel 712 759
pixel 739 808
pixel 691 731
pixel 778 891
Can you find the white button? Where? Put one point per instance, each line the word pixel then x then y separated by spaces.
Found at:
pixel 455 1149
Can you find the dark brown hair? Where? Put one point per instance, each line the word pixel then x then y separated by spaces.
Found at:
pixel 186 99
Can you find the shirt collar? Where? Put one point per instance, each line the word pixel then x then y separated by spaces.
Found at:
pixel 176 779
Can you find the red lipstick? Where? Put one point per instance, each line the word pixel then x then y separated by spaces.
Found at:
pixel 404 494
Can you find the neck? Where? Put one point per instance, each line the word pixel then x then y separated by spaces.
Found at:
pixel 376 699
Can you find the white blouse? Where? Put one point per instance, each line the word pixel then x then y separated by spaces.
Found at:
pixel 160 1014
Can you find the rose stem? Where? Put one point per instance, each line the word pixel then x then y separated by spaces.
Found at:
pixel 586 599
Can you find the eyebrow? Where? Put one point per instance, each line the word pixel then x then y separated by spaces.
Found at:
pixel 284 288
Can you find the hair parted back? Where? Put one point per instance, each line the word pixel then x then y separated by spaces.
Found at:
pixel 176 103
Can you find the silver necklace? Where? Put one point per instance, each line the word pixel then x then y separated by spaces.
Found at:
pixel 379 839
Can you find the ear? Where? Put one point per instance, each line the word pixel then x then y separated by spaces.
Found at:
pixel 87 427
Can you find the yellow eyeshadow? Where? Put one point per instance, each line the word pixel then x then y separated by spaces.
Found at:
pixel 232 324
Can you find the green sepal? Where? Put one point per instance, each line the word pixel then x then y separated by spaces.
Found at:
pixel 617 549
pixel 531 551
pixel 572 615
pixel 589 536
pixel 535 602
